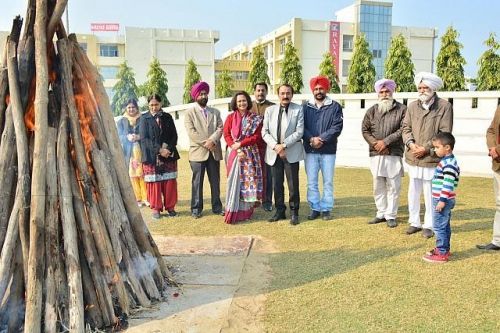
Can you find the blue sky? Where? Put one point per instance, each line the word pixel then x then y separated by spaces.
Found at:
pixel 244 21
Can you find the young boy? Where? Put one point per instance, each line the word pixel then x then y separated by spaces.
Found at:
pixel 444 183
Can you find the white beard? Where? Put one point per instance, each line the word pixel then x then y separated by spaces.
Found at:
pixel 385 105
pixel 425 97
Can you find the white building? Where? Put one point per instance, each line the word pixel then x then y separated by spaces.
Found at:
pixel 313 38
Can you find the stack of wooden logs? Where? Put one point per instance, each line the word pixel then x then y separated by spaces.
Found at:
pixel 74 250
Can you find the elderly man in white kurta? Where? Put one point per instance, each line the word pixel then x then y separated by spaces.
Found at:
pixel 425 117
pixel 381 128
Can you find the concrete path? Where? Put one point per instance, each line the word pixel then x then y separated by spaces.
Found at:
pixel 223 281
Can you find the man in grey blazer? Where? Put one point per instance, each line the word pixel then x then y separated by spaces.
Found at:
pixel 204 127
pixel 282 131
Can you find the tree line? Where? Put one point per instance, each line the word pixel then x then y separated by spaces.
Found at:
pixel 360 79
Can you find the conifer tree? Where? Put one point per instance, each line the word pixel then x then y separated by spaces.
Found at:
pixel 450 63
pixel 327 68
pixel 224 87
pixel 361 72
pixel 258 71
pixel 291 71
pixel 156 82
pixel 124 89
pixel 399 66
pixel 190 78
pixel 488 75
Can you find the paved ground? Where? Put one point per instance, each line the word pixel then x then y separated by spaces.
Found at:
pixel 222 279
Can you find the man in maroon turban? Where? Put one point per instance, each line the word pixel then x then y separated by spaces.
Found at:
pixel 322 81
pixel 204 127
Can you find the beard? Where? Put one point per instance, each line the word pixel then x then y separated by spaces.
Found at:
pixel 320 97
pixel 385 104
pixel 202 102
pixel 425 96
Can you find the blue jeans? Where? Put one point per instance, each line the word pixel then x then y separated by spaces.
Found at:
pixel 314 164
pixel 441 224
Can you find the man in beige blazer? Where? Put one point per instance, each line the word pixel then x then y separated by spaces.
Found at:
pixel 204 127
pixel 282 131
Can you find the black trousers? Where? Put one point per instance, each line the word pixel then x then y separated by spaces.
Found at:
pixel 291 170
pixel 213 171
pixel 268 195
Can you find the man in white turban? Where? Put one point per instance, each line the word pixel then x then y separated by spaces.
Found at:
pixel 381 128
pixel 425 117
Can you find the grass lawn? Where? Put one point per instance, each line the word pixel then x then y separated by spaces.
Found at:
pixel 347 276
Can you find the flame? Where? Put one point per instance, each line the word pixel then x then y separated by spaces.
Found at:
pixel 29 116
pixel 7 100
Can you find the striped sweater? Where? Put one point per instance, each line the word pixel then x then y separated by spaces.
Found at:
pixel 445 179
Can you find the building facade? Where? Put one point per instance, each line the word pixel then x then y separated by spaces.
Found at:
pixel 313 38
pixel 172 47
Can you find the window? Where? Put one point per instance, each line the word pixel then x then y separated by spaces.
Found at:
pixel 83 46
pixel 108 50
pixel 110 93
pixel 347 42
pixel 108 72
pixel 377 53
pixel 282 45
pixel 345 67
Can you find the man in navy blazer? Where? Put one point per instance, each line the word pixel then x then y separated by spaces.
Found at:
pixel 282 131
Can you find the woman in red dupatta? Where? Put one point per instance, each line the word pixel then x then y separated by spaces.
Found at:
pixel 242 131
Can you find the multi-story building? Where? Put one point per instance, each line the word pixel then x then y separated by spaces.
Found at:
pixel 313 38
pixel 172 47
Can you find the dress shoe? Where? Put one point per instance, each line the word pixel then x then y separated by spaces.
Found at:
pixel 196 215
pixel 326 216
pixel 391 223
pixel 313 215
pixel 219 212
pixel 489 246
pixel 277 217
pixel 411 230
pixel 427 233
pixel 156 215
pixel 376 220
pixel 172 213
pixel 294 220
pixel 267 206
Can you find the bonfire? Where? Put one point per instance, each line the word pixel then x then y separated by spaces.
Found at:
pixel 75 252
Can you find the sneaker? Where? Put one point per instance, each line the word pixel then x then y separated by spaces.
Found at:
pixel 172 213
pixel 376 220
pixel 436 251
pixel 427 233
pixel 436 258
pixel 391 223
pixel 326 216
pixel 411 230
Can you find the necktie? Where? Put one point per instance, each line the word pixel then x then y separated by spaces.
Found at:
pixel 205 113
pixel 278 132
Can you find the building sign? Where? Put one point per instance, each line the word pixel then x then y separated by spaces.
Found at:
pixel 104 26
pixel 335 43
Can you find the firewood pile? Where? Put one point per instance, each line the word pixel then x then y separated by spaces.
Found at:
pixel 75 252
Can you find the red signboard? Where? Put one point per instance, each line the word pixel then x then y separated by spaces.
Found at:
pixel 335 43
pixel 104 26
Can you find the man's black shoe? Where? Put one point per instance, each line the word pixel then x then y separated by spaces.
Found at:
pixel 313 215
pixel 411 230
pixel 294 220
pixel 196 215
pixel 219 212
pixel 277 217
pixel 489 246
pixel 326 216
pixel 267 206
pixel 377 220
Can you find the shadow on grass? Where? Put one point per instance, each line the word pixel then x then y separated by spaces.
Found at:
pixel 293 269
pixel 473 213
pixel 466 254
pixel 471 226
